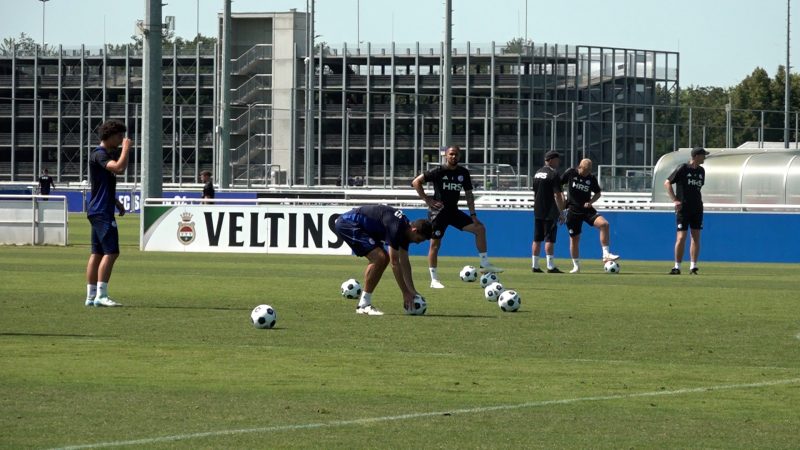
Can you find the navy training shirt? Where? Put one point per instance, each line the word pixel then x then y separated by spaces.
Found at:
pixel 384 223
pixel 104 184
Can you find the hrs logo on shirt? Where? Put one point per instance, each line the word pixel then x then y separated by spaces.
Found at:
pixel 580 186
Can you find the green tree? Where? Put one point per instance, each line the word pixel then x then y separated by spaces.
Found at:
pixel 518 46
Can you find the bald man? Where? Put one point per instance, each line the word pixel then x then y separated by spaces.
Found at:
pixel 582 191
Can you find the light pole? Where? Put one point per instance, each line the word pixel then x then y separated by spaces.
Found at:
pixel 43 2
pixel 553 118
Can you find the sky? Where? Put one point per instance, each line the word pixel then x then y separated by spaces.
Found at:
pixel 720 42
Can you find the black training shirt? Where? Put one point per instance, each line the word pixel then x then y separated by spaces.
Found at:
pixel 447 184
pixel 579 189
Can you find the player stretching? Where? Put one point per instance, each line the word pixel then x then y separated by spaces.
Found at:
pixel 104 166
pixel 689 179
pixel 448 180
pixel 366 229
pixel 582 191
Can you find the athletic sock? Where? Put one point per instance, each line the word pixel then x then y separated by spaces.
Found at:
pixel 102 289
pixel 434 275
pixel 605 250
pixel 484 259
pixel 91 291
pixel 693 265
pixel 677 265
pixel 366 299
pixel 550 263
pixel 576 263
pixel 535 262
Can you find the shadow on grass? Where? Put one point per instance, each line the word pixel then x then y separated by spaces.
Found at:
pixel 54 335
pixel 206 308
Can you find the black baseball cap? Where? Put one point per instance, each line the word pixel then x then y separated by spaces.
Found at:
pixel 551 154
pixel 699 151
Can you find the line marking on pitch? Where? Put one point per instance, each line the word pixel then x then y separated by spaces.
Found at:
pixel 452 412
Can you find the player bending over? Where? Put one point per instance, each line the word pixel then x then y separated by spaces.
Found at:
pixel 582 191
pixel 366 229
pixel 448 180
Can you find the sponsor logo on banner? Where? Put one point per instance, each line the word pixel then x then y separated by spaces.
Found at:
pixel 186 229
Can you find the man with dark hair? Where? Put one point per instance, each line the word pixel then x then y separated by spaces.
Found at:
pixel 45 183
pixel 548 205
pixel 104 165
pixel 582 191
pixel 689 179
pixel 448 180
pixel 208 186
pixel 366 229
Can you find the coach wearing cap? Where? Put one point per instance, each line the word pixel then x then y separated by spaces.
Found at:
pixel 688 179
pixel 548 203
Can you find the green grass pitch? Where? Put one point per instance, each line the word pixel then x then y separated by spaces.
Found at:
pixel 635 360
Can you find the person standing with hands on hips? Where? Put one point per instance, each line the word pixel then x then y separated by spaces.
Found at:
pixel 448 180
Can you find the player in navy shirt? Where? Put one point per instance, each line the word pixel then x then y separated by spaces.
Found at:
pixel 582 191
pixel 448 180
pixel 104 166
pixel 45 183
pixel 689 179
pixel 366 230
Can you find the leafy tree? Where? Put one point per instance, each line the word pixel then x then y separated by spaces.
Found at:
pixel 518 46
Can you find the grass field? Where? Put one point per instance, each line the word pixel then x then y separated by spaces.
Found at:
pixel 636 360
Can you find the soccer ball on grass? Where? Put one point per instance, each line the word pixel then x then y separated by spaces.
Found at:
pixel 418 307
pixel 493 291
pixel 509 301
pixel 469 274
pixel 489 278
pixel 611 267
pixel 351 289
pixel 264 316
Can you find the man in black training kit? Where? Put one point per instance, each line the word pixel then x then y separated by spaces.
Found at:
pixel 582 191
pixel 448 180
pixel 366 230
pixel 548 206
pixel 689 179
pixel 45 183
pixel 208 186
pixel 104 166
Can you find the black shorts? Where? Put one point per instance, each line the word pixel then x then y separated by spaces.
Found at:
pixel 105 236
pixel 575 220
pixel 544 230
pixel 689 219
pixel 442 218
pixel 351 232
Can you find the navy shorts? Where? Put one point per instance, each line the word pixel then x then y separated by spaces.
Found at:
pixel 442 218
pixel 575 220
pixel 352 232
pixel 105 237
pixel 544 230
pixel 689 219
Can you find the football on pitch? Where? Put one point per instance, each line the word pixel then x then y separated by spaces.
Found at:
pixel 493 291
pixel 611 267
pixel 418 307
pixel 469 274
pixel 509 301
pixel 264 316
pixel 351 289
pixel 489 278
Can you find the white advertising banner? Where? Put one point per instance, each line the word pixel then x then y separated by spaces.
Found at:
pixel 243 229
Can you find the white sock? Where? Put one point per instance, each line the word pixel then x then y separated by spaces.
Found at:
pixel 693 265
pixel 102 289
pixel 576 263
pixel 91 291
pixel 677 265
pixel 484 258
pixel 434 275
pixel 605 250
pixel 366 299
pixel 535 262
pixel 550 263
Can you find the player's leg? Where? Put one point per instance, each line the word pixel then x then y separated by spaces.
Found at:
pixel 109 238
pixel 602 225
pixel 378 261
pixel 464 223
pixel 680 242
pixel 575 228
pixel 433 262
pixel 551 231
pixel 91 278
pixel 694 250
pixel 536 246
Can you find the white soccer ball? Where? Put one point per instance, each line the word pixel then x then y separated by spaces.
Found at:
pixel 419 306
pixel 351 289
pixel 493 291
pixel 509 301
pixel 264 316
pixel 611 267
pixel 469 274
pixel 489 278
